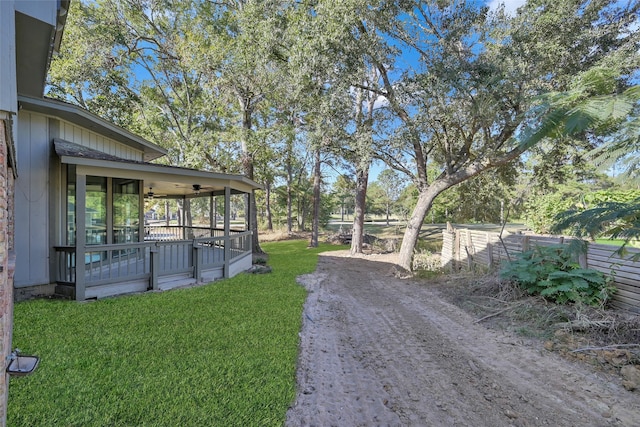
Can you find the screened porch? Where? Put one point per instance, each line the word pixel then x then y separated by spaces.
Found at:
pixel 136 227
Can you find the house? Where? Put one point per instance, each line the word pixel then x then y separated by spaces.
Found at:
pixel 75 188
pixel 80 210
pixel 30 31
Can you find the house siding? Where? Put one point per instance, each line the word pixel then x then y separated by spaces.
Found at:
pixel 32 200
pixel 8 89
pixel 81 136
pixel 39 191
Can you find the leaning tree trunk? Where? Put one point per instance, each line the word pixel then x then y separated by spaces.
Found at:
pixel 411 234
pixel 357 238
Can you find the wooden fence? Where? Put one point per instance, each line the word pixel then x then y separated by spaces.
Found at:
pixel 470 249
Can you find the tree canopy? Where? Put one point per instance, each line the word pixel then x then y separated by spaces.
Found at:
pixel 440 91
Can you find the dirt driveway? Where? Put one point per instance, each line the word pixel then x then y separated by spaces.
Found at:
pixel 377 350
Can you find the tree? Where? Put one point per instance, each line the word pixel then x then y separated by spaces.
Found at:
pixel 191 75
pixel 127 61
pixel 344 191
pixel 391 185
pixel 242 52
pixel 473 104
pixel 614 116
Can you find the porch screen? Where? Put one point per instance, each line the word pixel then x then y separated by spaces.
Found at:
pixel 126 210
pixel 96 210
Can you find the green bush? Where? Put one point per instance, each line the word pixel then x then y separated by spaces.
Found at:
pixel 551 271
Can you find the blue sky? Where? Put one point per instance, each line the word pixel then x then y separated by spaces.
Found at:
pixel 510 6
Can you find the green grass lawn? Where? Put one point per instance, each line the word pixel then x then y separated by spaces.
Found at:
pixel 223 354
pixel 617 242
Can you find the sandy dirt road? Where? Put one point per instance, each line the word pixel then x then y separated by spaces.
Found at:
pixel 380 351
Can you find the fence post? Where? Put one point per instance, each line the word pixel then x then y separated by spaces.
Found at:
pixel 489 251
pixel 456 249
pixel 469 250
pixel 525 243
pixel 583 257
pixel 448 238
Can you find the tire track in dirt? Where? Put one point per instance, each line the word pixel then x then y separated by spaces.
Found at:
pixel 377 350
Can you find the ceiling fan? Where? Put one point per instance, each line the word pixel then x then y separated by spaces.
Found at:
pixel 151 194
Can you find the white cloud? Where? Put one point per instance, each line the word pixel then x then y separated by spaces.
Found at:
pixel 510 6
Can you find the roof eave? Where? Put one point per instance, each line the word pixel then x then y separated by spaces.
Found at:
pixel 84 118
pixel 149 171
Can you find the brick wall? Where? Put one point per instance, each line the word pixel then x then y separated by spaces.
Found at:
pixel 6 262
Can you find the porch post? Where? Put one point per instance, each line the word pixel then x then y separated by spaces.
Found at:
pixel 155 266
pixel 81 235
pixel 110 230
pixel 197 263
pixel 212 216
pixel 141 212
pixel 227 230
pixel 184 218
pixel 247 209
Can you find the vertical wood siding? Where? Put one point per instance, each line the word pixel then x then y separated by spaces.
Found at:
pixel 32 201
pixel 81 136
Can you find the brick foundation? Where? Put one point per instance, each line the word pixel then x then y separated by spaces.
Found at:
pixel 6 260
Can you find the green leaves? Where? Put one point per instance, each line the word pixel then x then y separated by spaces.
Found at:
pixel 611 219
pixel 550 271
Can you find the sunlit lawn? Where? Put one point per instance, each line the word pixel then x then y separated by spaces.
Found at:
pixel 223 354
pixel 618 242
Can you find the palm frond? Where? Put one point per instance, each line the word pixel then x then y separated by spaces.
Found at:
pixel 616 220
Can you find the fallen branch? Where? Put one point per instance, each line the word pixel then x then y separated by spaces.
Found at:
pixel 497 313
pixel 488 297
pixel 606 347
pixel 581 325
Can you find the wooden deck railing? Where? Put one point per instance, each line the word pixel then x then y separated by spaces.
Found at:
pixel 179 232
pixel 149 260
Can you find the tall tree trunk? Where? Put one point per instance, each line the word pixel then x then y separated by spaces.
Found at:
pixel 315 227
pixel 180 205
pixel 267 189
pixel 247 166
pixel 388 209
pixel 214 214
pixel 302 213
pixel 188 219
pixel 289 196
pixel 357 238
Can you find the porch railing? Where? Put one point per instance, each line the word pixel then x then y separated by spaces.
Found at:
pixel 179 232
pixel 150 260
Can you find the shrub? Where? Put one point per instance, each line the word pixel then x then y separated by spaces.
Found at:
pixel 551 271
pixel 426 260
